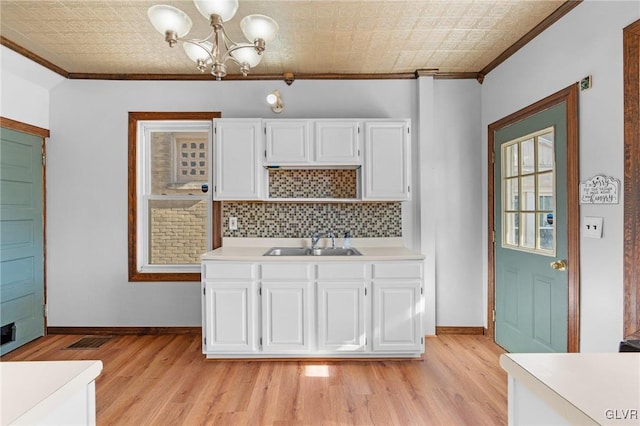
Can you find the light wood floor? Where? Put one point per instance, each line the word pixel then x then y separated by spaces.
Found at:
pixel 165 380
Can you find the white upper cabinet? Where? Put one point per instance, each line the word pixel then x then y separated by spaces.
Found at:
pixel 386 164
pixel 287 142
pixel 337 142
pixel 312 143
pixel 238 164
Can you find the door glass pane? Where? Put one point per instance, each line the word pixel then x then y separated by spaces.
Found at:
pixel 178 162
pixel 545 223
pixel 511 194
pixel 545 191
pixel 528 193
pixel 177 231
pixel 545 152
pixel 511 160
pixel 527 156
pixel 528 230
pixel 510 229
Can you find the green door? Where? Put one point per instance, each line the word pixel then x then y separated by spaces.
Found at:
pixel 531 278
pixel 21 239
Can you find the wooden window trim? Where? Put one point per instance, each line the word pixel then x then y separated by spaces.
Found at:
pixel 134 274
pixel 570 96
pixel 631 60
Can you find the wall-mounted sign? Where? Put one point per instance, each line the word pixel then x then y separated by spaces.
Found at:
pixel 600 189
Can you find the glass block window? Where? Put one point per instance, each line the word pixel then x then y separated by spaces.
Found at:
pixel 528 193
pixel 191 163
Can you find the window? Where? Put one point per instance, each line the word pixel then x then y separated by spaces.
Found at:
pixel 172 218
pixel 528 190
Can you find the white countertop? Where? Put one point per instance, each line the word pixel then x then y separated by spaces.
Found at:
pixel 253 249
pixel 584 387
pixel 37 387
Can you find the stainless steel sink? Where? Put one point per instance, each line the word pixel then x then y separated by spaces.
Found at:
pixel 301 251
pixel 288 251
pixel 335 252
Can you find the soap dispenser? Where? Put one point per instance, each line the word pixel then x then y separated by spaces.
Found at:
pixel 346 242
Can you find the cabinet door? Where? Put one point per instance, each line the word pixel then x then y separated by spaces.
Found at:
pixel 285 317
pixel 396 315
pixel 287 142
pixel 337 142
pixel 229 317
pixel 341 317
pixel 386 165
pixel 238 169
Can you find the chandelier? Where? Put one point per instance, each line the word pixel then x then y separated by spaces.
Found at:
pixel 216 49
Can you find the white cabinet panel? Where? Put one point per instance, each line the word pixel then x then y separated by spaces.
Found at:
pixel 342 271
pixel 341 317
pixel 285 317
pixel 230 317
pixel 337 142
pixel 287 141
pixel 397 316
pixel 238 167
pixel 397 270
pixel 226 271
pixel 386 165
pixel 285 271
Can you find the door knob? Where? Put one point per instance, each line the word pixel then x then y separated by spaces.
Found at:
pixel 559 265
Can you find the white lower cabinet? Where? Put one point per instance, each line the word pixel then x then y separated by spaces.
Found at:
pixel 304 309
pixel 285 317
pixel 229 320
pixel 396 316
pixel 341 317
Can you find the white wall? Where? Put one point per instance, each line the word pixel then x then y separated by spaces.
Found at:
pixel 24 94
pixel 87 183
pixel 588 41
pixel 457 188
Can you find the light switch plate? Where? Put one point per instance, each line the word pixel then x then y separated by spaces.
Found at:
pixel 233 224
pixel 592 227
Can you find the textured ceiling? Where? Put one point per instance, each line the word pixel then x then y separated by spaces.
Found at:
pixel 316 37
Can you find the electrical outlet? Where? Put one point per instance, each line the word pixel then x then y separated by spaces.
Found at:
pixel 233 224
pixel 592 227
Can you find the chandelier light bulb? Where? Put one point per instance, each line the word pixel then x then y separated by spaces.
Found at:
pixel 259 27
pixel 246 54
pixel 169 19
pixel 226 9
pixel 198 52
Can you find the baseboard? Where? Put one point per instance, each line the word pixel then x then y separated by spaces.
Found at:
pixel 123 331
pixel 460 330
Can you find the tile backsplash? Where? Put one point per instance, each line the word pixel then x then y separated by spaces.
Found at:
pixel 296 220
pixel 319 183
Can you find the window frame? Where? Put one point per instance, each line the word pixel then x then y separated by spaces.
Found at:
pixel 216 206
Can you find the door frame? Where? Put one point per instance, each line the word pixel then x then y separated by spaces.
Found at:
pixel 631 49
pixel 18 126
pixel 568 95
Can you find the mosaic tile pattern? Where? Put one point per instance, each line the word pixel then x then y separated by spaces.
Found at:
pixel 295 220
pixel 313 183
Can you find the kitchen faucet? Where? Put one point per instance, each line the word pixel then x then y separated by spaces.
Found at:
pixel 315 239
pixel 333 239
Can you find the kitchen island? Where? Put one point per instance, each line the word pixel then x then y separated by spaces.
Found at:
pixel 575 388
pixel 49 392
pixel 257 306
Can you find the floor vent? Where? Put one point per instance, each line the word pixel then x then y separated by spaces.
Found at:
pixel 90 342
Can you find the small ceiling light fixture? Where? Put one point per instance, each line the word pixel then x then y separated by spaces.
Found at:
pixel 217 48
pixel 275 100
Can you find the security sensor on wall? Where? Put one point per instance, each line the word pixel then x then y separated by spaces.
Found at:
pixel 275 100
